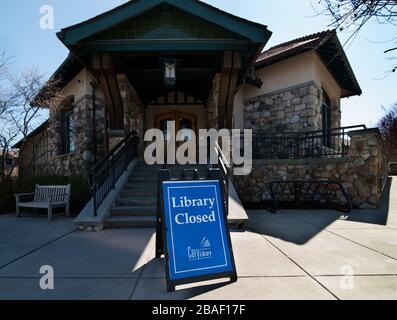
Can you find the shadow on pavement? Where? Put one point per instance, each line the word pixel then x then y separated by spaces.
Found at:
pixel 299 226
pixel 152 284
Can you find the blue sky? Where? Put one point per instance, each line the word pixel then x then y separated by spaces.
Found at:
pixel 22 37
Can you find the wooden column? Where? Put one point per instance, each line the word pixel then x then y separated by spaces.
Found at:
pixel 224 88
pixel 230 71
pixel 232 88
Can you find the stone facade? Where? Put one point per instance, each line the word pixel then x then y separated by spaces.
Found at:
pixel 212 104
pixel 293 109
pixel 361 173
pixel 133 108
pixel 81 160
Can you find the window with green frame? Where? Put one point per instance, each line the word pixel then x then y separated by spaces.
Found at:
pixel 326 119
pixel 68 132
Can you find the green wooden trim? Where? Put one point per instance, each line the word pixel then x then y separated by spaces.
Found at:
pixel 167 45
pixel 255 33
pixel 357 90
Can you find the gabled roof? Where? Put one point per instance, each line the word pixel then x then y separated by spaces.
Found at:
pixel 329 49
pixel 69 68
pixel 256 32
pixel 36 131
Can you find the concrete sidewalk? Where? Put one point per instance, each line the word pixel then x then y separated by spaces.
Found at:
pixel 292 255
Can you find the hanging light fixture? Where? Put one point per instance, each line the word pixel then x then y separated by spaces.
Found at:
pixel 169 71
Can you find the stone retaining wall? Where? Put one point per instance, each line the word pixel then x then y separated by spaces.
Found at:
pixel 361 173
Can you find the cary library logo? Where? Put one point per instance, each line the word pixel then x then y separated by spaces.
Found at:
pixel 201 253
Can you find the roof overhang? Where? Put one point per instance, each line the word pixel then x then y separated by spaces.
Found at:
pixel 36 131
pixel 84 39
pixel 330 51
pixel 73 35
pixel 69 68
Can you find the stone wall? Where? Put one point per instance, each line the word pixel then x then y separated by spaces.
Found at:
pixel 361 173
pixel 212 104
pixel 293 109
pixel 134 110
pixel 81 160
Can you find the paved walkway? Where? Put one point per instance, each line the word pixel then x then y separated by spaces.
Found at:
pixel 292 255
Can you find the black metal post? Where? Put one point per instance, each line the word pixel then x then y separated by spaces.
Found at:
pixel 94 199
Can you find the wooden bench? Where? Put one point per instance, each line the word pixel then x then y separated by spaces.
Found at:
pixel 45 197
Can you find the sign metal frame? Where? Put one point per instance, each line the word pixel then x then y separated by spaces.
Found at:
pixel 161 236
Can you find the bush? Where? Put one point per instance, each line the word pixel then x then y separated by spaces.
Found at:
pixel 79 197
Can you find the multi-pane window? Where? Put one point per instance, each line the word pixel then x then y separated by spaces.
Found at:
pixel 69 134
pixel 326 119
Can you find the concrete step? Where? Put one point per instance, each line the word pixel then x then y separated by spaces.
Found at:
pixel 144 174
pixel 141 180
pixel 147 167
pixel 141 186
pixel 130 222
pixel 393 168
pixel 133 211
pixel 139 193
pixel 136 201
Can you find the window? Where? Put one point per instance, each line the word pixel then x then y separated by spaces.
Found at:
pixel 326 119
pixel 69 134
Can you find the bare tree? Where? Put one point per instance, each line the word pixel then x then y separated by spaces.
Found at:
pixel 22 98
pixel 388 127
pixel 354 14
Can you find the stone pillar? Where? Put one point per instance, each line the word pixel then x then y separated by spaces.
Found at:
pixel 212 104
pixel 336 113
pixel 369 162
pixel 91 138
pixel 134 112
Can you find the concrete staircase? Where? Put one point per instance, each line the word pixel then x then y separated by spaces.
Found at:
pixel 136 204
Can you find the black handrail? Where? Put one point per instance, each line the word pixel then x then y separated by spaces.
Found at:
pixel 225 173
pixel 108 170
pixel 332 143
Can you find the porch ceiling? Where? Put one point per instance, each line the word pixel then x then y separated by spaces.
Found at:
pixel 194 74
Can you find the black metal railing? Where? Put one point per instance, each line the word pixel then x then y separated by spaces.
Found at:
pixel 333 143
pixel 310 193
pixel 108 170
pixel 225 173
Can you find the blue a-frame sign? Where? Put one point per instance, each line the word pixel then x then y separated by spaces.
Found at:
pixel 192 231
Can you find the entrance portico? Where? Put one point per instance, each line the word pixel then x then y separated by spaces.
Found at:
pixel 136 38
